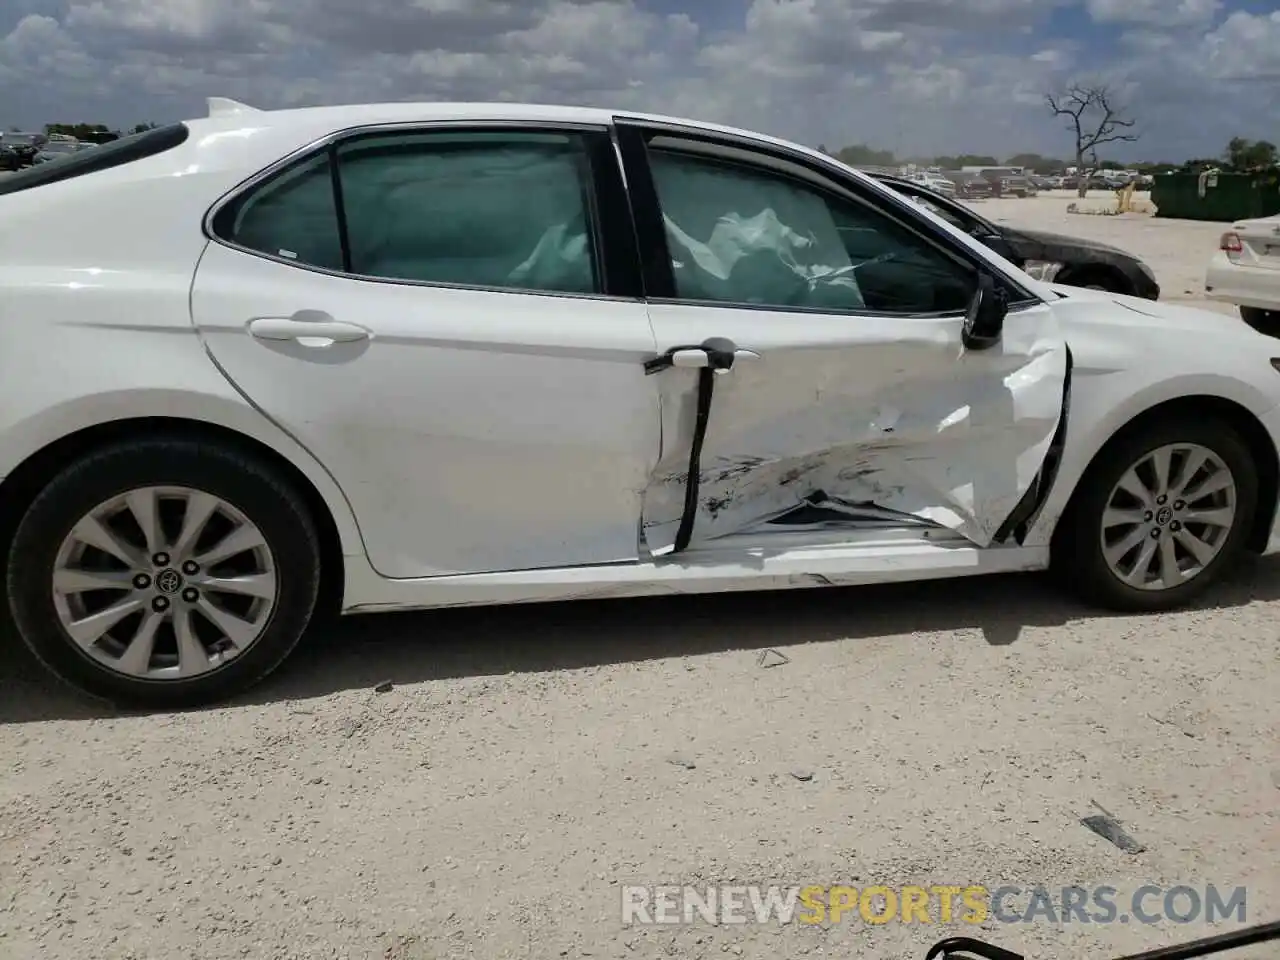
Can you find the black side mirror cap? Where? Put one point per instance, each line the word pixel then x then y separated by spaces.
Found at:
pixel 984 322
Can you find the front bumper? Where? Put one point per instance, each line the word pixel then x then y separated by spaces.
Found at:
pixel 1145 286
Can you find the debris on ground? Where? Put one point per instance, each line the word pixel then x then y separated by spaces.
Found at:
pixel 772 658
pixel 384 687
pixel 1109 828
pixel 1165 722
pixel 348 728
pixel 681 761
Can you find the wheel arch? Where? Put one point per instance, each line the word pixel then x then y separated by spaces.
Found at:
pixel 1237 416
pixel 1082 274
pixel 21 486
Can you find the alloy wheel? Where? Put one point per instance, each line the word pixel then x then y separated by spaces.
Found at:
pixel 1168 517
pixel 164 583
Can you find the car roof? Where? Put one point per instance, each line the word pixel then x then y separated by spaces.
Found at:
pixel 235 136
pixel 230 114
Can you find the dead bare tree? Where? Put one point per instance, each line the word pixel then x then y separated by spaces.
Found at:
pixel 1094 119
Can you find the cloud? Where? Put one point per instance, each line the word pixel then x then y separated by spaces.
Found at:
pixel 920 76
pixel 1156 13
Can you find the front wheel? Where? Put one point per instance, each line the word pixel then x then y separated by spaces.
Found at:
pixel 1160 516
pixel 164 573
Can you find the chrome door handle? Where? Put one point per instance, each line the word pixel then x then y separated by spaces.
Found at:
pixel 307 325
pixel 717 353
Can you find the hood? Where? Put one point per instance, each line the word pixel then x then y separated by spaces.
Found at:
pixel 1135 311
pixel 1050 240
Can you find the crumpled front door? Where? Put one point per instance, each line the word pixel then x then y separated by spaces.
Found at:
pixel 853 412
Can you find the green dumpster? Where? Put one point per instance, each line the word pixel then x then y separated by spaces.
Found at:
pixel 1221 197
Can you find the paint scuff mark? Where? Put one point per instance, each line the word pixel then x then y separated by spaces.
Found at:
pixel 734 471
pixel 795 473
pixel 715 505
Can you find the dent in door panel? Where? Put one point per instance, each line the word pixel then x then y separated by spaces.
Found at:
pixel 915 440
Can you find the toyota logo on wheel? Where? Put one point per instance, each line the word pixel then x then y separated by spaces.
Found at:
pixel 168 581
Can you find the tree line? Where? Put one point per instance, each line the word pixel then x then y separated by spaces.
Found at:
pixel 1092 118
pixel 90 132
pixel 1241 155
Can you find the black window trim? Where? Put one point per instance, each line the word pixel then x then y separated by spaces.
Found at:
pixel 634 134
pixel 932 196
pixel 609 211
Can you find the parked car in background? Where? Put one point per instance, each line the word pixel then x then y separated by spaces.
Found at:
pixel 1046 256
pixel 1108 180
pixel 21 148
pixel 1246 272
pixel 934 181
pixel 298 382
pixel 58 149
pixel 1014 185
pixel 971 186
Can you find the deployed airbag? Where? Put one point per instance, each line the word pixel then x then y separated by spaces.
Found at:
pixel 501 216
pixel 751 252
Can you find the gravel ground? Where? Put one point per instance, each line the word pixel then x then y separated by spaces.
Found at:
pixel 1177 250
pixel 524 762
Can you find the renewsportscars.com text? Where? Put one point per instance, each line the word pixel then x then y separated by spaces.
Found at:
pixel 937 904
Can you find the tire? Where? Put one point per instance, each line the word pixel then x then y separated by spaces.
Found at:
pixel 1094 279
pixel 281 565
pixel 1079 558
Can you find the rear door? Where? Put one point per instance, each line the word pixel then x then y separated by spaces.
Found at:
pixel 850 390
pixel 1261 242
pixel 450 320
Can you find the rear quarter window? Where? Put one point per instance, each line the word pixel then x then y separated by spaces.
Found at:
pixel 137 146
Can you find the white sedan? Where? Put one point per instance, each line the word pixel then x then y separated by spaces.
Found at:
pixel 934 181
pixel 1246 272
pixel 424 355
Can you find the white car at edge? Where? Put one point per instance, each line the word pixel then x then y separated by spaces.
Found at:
pixel 407 356
pixel 1246 272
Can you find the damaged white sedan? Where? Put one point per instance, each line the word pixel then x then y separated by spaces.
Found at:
pixel 421 355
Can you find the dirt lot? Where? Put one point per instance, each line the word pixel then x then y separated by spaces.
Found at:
pixel 1177 250
pixel 528 761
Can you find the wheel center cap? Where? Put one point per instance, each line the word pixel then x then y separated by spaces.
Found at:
pixel 1164 516
pixel 168 581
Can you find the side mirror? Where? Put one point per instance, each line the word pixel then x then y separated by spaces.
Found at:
pixel 984 322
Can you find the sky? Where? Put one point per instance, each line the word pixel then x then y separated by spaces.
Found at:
pixel 920 77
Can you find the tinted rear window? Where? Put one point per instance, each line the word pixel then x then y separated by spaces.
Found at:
pixel 137 146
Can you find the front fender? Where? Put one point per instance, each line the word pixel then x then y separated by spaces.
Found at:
pixel 1096 416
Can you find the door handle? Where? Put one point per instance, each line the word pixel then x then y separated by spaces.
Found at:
pixel 718 353
pixel 307 325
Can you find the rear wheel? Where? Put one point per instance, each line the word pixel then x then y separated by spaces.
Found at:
pixel 164 573
pixel 1160 516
